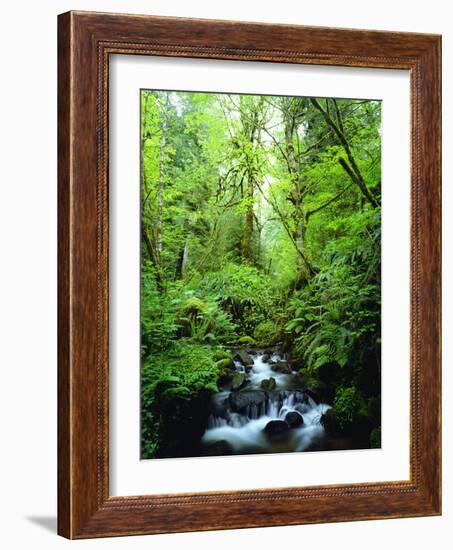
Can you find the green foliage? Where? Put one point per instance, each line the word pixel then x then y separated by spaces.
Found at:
pixel 242 291
pixel 266 333
pixel 159 323
pixel 175 386
pixel 348 405
pixel 204 321
pixel 310 380
pixel 220 353
pixel 335 318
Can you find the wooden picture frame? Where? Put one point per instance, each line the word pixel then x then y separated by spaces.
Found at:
pixel 85 42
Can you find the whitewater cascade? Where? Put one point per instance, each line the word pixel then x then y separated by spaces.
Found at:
pixel 240 419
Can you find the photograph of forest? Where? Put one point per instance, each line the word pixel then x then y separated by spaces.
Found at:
pixel 260 274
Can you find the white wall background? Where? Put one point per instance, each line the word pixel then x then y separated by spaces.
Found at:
pixel 28 272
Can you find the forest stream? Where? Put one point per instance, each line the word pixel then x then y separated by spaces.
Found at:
pixel 245 418
pixel 260 304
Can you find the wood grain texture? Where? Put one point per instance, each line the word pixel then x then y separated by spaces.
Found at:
pixel 64 391
pixel 85 42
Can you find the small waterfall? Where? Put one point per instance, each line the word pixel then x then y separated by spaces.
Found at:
pixel 242 426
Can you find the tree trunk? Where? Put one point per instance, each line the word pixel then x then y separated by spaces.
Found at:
pixel 250 123
pixel 185 256
pixel 182 259
pixel 153 242
pixel 296 196
pixel 160 187
pixel 152 256
pixel 249 215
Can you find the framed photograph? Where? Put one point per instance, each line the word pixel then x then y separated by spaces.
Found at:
pixel 249 275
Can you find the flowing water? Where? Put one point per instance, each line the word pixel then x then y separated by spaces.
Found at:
pixel 239 419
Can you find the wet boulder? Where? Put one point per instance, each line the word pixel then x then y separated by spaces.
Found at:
pixel 276 429
pixel 241 401
pixel 238 381
pixel 268 384
pixel 218 406
pixel 294 419
pixel 225 368
pixel 296 382
pixel 243 357
pixel 330 422
pixel 281 367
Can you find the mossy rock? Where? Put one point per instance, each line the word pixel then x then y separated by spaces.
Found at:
pixel 221 354
pixel 247 340
pixel 225 364
pixel 282 367
pixel 335 425
pixel 238 381
pixel 193 307
pixel 268 384
pixel 243 357
pixel 315 385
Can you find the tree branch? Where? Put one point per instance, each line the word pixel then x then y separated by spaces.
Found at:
pixel 330 201
pixel 352 169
